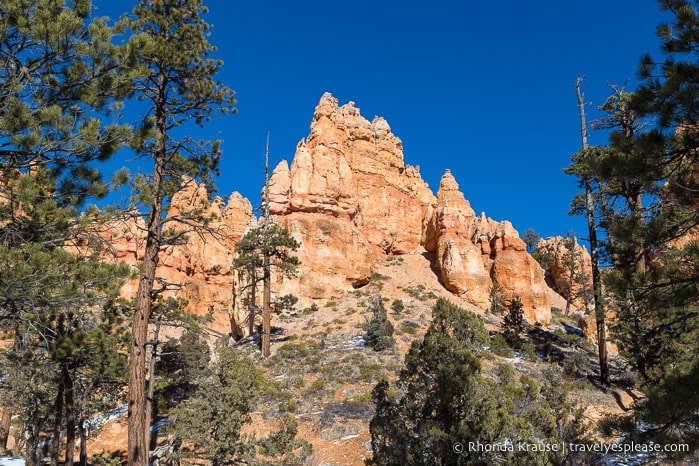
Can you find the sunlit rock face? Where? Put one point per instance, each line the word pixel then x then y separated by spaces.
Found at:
pixel 473 252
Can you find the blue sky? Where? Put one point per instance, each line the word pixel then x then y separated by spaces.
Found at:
pixel 485 89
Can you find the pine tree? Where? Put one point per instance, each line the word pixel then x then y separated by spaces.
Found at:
pixel 261 250
pixel 210 421
pixel 170 47
pixel 59 74
pixel 585 205
pixel 530 238
pixel 379 331
pixel 647 201
pixel 513 324
pixel 442 403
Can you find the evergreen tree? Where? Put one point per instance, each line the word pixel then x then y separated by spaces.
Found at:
pixel 513 324
pixel 209 422
pixel 442 403
pixel 177 85
pixel 282 447
pixel 530 238
pixel 59 74
pixel 647 201
pixel 379 331
pixel 260 250
pixel 496 298
pixel 585 204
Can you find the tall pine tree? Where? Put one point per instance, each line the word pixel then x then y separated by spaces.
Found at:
pixel 179 86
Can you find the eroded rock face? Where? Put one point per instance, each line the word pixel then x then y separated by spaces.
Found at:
pixel 474 252
pixel 570 269
pixel 353 169
pixel 201 266
pixel 335 257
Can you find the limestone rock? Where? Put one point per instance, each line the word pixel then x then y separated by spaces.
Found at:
pixel 353 169
pixel 474 252
pixel 201 265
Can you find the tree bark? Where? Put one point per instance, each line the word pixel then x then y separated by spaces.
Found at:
pixel 139 416
pixel 5 428
pixel 151 383
pixel 267 270
pixel 252 305
pixel 83 442
pixel 69 392
pixel 54 445
pixel 594 252
pixel 266 312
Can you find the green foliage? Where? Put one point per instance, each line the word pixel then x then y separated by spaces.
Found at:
pixel 269 240
pixel 513 324
pixel 646 198
pixel 397 306
pixel 543 257
pixel 418 292
pixel 665 405
pixel 60 68
pixel 496 296
pixel 210 421
pixel 379 331
pixel 285 304
pixel 283 447
pixel 530 238
pixel 184 359
pixel 500 346
pixel 442 399
pixel 104 461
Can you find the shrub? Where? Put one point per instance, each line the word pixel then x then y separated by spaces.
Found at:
pixel 496 298
pixel 499 346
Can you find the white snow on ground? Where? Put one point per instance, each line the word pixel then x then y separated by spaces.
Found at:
pixel 11 460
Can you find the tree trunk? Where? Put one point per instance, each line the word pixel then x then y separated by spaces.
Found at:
pixel 639 253
pixel 571 277
pixel 266 270
pixel 83 442
pixel 266 312
pixel 5 428
pixel 252 305
pixel 151 383
pixel 594 253
pixel 54 445
pixel 137 421
pixel 139 417
pixel 70 416
pixel 32 436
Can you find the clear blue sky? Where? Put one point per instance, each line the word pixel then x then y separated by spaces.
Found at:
pixel 483 88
